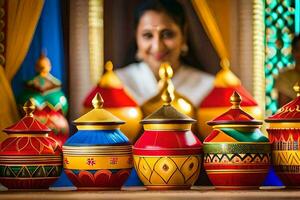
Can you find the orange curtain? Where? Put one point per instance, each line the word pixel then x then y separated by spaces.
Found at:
pixel 209 22
pixel 22 18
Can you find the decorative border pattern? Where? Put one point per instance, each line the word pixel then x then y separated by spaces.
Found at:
pixel 30 171
pixel 168 170
pixel 95 162
pixel 289 158
pixel 237 148
pixel 257 158
pixel 98 179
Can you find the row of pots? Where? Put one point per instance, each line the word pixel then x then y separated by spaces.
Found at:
pixel 167 156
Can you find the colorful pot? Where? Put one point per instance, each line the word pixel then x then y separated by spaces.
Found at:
pixel 56 122
pixel 98 156
pixel 117 101
pixel 236 154
pixel 216 102
pixel 44 88
pixel 284 134
pixel 29 159
pixel 168 154
pixel 51 102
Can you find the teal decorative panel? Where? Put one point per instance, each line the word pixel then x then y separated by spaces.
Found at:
pixel 280 28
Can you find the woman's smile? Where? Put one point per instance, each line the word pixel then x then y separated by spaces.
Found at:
pixel 160 56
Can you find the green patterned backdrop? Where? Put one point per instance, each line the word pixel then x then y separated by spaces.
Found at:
pixel 280 28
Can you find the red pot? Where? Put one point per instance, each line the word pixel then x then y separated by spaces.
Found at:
pixel 284 132
pixel 236 154
pixel 168 155
pixel 29 159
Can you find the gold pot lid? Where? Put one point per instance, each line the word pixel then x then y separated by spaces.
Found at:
pixel 225 77
pixel 109 79
pixel 98 115
pixel 167 114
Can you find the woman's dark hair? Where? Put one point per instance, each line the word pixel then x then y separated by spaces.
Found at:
pixel 175 11
pixel 171 7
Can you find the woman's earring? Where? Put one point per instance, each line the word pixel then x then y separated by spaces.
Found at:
pixel 138 56
pixel 184 49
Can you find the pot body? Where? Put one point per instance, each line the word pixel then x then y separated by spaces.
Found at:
pixel 286 154
pixel 237 165
pixel 54 98
pixel 29 161
pixel 168 159
pixel 56 122
pixel 97 159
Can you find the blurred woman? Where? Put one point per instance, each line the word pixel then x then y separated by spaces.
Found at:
pixel 161 36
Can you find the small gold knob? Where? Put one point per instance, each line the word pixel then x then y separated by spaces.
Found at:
pixel 297 89
pixel 29 107
pixel 97 101
pixel 109 66
pixel 235 100
pixel 165 71
pixel 43 65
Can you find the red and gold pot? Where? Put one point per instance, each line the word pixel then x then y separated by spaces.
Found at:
pixel 99 155
pixel 167 155
pixel 284 134
pixel 118 101
pixel 29 159
pixel 236 154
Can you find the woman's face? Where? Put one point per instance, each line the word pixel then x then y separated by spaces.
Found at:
pixel 159 40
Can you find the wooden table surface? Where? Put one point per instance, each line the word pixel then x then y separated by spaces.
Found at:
pixel 139 193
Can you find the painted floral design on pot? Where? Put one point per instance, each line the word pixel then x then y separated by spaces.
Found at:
pixel 29 159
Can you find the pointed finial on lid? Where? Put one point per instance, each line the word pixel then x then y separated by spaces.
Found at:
pixel 235 100
pixel 43 64
pixel 168 95
pixel 165 71
pixel 97 101
pixel 29 107
pixel 109 66
pixel 297 89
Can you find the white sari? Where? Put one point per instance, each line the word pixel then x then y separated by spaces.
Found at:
pixel 139 80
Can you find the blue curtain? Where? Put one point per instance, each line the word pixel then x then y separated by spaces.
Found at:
pixel 49 37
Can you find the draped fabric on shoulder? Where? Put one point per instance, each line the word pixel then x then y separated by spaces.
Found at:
pixel 21 15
